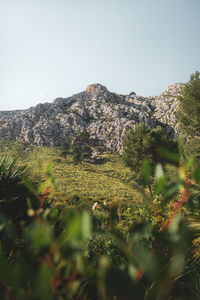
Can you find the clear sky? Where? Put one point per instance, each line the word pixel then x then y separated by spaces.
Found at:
pixel 55 48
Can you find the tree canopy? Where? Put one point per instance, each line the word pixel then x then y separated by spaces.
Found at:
pixel 189 101
pixel 143 143
pixel 189 118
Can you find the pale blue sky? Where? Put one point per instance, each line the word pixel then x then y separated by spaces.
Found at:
pixel 55 48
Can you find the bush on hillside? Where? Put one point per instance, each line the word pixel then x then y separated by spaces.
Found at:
pixel 65 148
pixel 143 143
pixel 81 152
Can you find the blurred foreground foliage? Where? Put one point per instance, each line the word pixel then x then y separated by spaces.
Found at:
pixel 112 252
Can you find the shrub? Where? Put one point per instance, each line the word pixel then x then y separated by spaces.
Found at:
pixel 144 143
pixel 65 147
pixel 80 152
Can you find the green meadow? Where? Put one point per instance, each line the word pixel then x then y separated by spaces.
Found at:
pixel 79 184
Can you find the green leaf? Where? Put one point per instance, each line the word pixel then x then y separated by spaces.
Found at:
pixel 159 172
pixel 169 156
pixel 86 225
pixel 146 172
pixel 171 191
pixel 41 290
pixel 40 235
pixel 160 178
pixel 160 185
pixel 190 162
pixel 196 175
pixel 48 170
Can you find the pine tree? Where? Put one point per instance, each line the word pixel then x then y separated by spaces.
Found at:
pixel 144 143
pixel 137 145
pixel 189 101
pixel 189 118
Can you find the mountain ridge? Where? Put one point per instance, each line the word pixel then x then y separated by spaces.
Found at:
pixel 105 115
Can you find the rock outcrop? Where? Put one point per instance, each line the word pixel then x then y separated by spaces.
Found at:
pixel 166 107
pixel 106 116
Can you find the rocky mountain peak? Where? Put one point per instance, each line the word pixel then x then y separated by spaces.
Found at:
pixel 175 88
pixel 104 115
pixel 166 107
pixel 96 90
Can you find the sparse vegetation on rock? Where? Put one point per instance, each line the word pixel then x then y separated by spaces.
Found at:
pixel 105 115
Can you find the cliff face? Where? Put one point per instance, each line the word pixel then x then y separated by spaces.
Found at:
pixel 106 116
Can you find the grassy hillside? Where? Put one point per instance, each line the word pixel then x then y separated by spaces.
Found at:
pixel 108 180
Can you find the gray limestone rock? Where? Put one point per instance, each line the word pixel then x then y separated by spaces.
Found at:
pixel 106 116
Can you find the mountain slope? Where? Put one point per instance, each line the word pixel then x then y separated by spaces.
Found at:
pixel 106 116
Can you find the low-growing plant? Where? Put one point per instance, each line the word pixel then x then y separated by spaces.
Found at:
pixel 112 252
